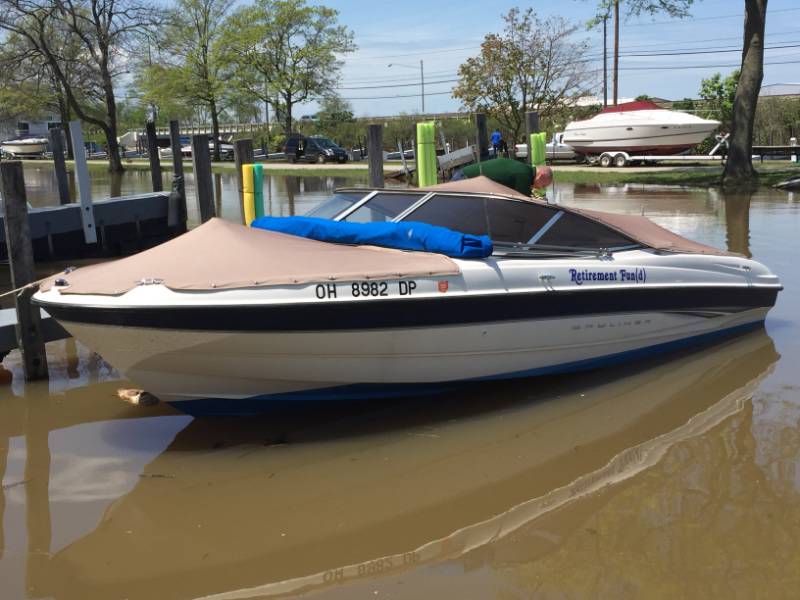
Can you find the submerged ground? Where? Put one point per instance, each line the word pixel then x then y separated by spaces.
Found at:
pixel 677 477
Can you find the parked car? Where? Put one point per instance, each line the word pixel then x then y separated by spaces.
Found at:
pixel 225 150
pixel 555 149
pixel 314 148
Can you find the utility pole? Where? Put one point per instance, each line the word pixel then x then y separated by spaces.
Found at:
pixel 605 61
pixel 616 50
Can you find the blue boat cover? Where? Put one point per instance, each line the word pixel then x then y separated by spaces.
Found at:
pixel 406 235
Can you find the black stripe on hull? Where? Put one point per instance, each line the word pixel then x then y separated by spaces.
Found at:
pixel 421 312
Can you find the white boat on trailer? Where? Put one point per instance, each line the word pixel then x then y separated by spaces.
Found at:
pixel 226 318
pixel 639 128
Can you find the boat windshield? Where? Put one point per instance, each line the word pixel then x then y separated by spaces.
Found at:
pixel 384 206
pixel 337 204
pixel 516 222
pixel 508 222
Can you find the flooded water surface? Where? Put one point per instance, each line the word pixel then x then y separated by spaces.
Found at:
pixel 672 478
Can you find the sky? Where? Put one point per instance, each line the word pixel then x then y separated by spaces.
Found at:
pixel 444 33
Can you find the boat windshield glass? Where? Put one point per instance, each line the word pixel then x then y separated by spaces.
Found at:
pixel 512 221
pixel 516 222
pixel 337 204
pixel 383 207
pixel 575 231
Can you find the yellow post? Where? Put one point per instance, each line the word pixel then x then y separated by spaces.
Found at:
pixel 248 194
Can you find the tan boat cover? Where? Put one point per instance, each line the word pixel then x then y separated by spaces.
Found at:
pixel 477 185
pixel 224 255
pixel 640 229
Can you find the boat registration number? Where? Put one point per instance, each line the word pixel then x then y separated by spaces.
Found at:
pixel 364 289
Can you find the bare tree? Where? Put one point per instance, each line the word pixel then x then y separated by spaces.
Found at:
pixel 739 166
pixel 103 30
pixel 531 65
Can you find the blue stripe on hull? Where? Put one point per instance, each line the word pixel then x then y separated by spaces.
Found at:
pixel 363 391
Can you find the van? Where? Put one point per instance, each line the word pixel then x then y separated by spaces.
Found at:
pixel 315 148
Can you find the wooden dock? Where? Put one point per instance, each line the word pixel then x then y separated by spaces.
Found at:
pixel 123 225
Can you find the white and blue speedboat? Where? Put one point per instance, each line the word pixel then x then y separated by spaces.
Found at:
pixel 226 318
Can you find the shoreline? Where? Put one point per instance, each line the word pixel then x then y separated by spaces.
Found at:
pixel 686 175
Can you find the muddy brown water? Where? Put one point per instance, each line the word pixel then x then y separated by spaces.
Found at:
pixel 672 478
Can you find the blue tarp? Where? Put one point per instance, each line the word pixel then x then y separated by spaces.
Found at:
pixel 403 236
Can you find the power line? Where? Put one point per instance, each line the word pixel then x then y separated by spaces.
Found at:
pixel 396 85
pixel 712 18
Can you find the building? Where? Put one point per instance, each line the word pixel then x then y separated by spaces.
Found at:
pixel 24 128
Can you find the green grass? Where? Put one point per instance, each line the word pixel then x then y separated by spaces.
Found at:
pixel 689 177
pixel 270 168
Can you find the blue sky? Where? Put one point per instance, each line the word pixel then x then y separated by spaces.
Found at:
pixel 443 33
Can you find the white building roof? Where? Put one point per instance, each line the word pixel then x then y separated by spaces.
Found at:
pixel 780 89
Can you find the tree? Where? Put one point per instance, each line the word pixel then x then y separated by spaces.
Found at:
pixel 104 30
pixel 532 65
pixel 287 51
pixel 673 8
pixel 198 70
pixel 739 166
pixel 718 94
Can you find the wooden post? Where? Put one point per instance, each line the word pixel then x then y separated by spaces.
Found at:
pixel 177 218
pixel 375 155
pixel 84 185
pixel 481 137
pixel 403 157
pixel 242 155
pixel 201 161
pixel 154 157
pixel 20 258
pixel 57 146
pixel 531 126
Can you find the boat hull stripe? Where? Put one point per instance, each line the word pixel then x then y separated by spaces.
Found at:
pixel 420 312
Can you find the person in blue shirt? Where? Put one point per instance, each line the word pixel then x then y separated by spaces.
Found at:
pixel 496 139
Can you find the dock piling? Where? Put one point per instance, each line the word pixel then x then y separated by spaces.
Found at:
pixel 57 146
pixel 201 161
pixel 177 218
pixel 375 155
pixel 154 157
pixel 482 136
pixel 242 155
pixel 84 185
pixel 20 258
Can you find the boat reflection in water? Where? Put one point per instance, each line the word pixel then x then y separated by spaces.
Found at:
pixel 305 500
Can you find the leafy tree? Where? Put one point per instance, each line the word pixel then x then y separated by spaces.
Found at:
pixel 718 94
pixel 739 166
pixel 287 51
pixel 531 65
pixel 104 30
pixel 197 68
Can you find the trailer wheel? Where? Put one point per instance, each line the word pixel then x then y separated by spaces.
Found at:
pixel 620 160
pixel 605 160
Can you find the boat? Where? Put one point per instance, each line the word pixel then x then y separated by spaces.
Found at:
pixel 24 147
pixel 227 318
pixel 640 127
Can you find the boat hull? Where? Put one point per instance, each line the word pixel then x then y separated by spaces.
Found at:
pixel 654 139
pixel 240 372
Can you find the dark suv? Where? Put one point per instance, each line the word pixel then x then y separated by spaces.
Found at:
pixel 313 148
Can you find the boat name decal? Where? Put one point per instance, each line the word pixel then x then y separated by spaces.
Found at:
pixel 636 275
pixel 365 289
